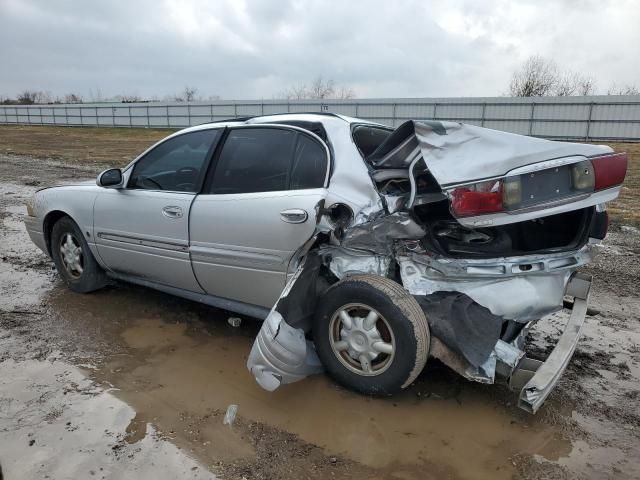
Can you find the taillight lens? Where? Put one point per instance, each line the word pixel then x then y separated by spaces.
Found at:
pixel 477 199
pixel 609 170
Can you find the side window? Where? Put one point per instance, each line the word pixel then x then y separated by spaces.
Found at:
pixel 309 167
pixel 178 164
pixel 368 138
pixel 254 160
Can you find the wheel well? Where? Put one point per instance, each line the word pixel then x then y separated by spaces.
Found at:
pixel 49 221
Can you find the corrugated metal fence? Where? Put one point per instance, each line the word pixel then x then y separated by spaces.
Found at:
pixel 605 118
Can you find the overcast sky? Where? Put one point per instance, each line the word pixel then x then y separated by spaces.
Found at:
pixel 256 49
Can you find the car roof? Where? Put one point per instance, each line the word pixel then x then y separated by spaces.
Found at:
pixel 320 117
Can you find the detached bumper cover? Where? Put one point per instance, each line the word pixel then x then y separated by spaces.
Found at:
pixel 541 377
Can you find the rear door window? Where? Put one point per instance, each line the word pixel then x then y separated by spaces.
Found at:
pixel 268 160
pixel 309 167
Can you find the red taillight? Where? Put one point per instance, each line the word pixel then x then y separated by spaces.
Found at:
pixel 609 170
pixel 466 202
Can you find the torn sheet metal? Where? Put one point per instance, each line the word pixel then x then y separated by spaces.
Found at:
pixel 343 262
pixel 377 235
pixel 281 354
pixel 529 287
pixel 500 362
pixel 462 325
pixel 456 153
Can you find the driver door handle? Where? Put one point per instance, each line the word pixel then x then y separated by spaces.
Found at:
pixel 172 212
pixel 294 215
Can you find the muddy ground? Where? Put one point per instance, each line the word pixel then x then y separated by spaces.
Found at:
pixel 131 383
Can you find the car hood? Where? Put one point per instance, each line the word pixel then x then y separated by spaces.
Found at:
pixel 457 153
pixel 73 183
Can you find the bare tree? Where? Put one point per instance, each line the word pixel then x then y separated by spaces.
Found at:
pixel 345 93
pixel 27 97
pixel 573 83
pixel 72 98
pixel 96 95
pixel 566 85
pixel 296 92
pixel 318 90
pixel 537 77
pixel 623 90
pixel 321 89
pixel 190 93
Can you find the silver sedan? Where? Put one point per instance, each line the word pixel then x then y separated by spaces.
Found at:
pixel 365 249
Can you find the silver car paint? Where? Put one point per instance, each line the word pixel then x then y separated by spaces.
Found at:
pixel 134 235
pixel 242 239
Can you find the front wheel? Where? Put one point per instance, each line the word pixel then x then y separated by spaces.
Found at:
pixel 73 259
pixel 371 335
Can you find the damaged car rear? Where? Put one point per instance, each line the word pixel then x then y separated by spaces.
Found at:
pixel 472 235
pixel 365 249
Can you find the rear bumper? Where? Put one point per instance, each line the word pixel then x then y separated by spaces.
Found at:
pixel 34 229
pixel 535 379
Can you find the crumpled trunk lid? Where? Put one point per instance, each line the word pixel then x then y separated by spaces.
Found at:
pixel 459 156
pixel 458 153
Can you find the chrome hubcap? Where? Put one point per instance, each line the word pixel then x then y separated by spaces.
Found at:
pixel 71 254
pixel 362 339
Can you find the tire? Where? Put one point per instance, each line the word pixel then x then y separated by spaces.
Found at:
pixel 401 323
pixel 87 275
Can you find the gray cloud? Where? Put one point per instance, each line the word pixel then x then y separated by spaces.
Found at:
pixel 256 49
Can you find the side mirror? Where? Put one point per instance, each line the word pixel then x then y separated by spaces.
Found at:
pixel 111 178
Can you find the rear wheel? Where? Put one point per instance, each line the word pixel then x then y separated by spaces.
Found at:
pixel 371 335
pixel 73 259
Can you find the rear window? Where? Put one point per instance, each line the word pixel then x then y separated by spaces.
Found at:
pixel 367 138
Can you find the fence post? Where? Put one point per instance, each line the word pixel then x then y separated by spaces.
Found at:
pixel 80 110
pixel 41 121
pixel 54 115
pixel 531 118
pixel 188 114
pixel 484 108
pixel 29 115
pixel 113 116
pixel 588 132
pixel 97 121
pixel 435 111
pixel 235 110
pixel 393 114
pixel 66 115
pixel 168 124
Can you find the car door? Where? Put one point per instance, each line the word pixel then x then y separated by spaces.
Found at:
pixel 257 209
pixel 143 229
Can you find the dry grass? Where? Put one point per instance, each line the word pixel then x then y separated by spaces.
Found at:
pixel 106 147
pixel 100 146
pixel 626 209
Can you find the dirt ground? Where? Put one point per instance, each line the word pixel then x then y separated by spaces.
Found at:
pixel 131 383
